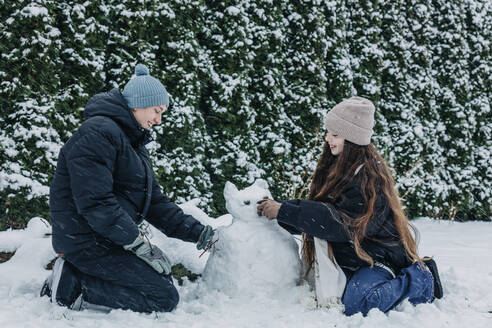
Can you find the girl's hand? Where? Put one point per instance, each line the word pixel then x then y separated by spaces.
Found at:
pixel 268 208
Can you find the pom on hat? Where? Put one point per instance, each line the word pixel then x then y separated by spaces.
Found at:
pixel 141 69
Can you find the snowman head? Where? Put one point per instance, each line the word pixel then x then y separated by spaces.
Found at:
pixel 242 203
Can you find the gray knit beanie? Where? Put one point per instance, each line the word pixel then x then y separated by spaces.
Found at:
pixel 144 90
pixel 352 119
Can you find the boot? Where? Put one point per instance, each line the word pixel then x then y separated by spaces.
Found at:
pixel 431 264
pixel 62 286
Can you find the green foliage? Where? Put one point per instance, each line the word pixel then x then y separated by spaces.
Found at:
pixel 179 271
pixel 14 206
pixel 250 82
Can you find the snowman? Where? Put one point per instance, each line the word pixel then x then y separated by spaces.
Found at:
pixel 253 255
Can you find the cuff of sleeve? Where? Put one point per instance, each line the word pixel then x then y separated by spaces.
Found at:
pixel 294 201
pixel 195 232
pixel 288 213
pixel 131 237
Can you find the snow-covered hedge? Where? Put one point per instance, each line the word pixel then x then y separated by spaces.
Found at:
pixel 250 82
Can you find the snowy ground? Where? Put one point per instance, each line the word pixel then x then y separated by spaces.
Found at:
pixel 462 250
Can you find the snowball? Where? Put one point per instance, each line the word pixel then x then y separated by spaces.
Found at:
pixel 38 227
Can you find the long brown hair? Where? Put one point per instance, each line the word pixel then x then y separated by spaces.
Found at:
pixel 333 174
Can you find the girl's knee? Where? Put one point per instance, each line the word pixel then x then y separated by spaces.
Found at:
pixel 372 300
pixel 376 299
pixel 362 296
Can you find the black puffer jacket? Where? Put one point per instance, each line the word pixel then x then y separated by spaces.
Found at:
pixel 321 220
pixel 101 181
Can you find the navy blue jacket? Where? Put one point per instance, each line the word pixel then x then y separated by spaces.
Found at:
pixel 323 220
pixel 102 177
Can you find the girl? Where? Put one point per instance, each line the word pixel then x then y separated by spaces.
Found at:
pixel 355 219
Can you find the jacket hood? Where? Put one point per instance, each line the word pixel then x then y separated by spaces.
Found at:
pixel 112 104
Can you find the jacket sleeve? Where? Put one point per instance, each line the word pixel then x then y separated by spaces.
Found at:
pixel 90 165
pixel 170 219
pixel 314 218
pixel 290 229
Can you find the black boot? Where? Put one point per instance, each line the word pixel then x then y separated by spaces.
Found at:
pixel 63 286
pixel 431 264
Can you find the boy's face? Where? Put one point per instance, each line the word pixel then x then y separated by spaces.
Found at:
pixel 149 116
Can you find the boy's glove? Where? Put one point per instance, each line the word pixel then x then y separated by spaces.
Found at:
pixel 152 255
pixel 205 237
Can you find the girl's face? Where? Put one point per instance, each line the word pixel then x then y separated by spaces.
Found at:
pixel 149 116
pixel 336 143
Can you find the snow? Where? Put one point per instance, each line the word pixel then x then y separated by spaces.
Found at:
pixel 462 250
pixel 34 11
pixel 233 11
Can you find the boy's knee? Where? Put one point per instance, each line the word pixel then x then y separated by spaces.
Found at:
pixel 167 298
pixel 171 301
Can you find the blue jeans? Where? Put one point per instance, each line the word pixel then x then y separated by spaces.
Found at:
pixel 370 288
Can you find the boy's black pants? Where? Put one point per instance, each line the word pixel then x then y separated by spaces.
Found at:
pixel 113 277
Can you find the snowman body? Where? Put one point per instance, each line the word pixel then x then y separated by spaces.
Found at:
pixel 253 255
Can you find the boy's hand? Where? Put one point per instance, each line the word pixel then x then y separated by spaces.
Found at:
pixel 152 255
pixel 205 238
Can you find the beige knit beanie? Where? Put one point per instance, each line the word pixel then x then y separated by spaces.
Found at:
pixel 352 119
